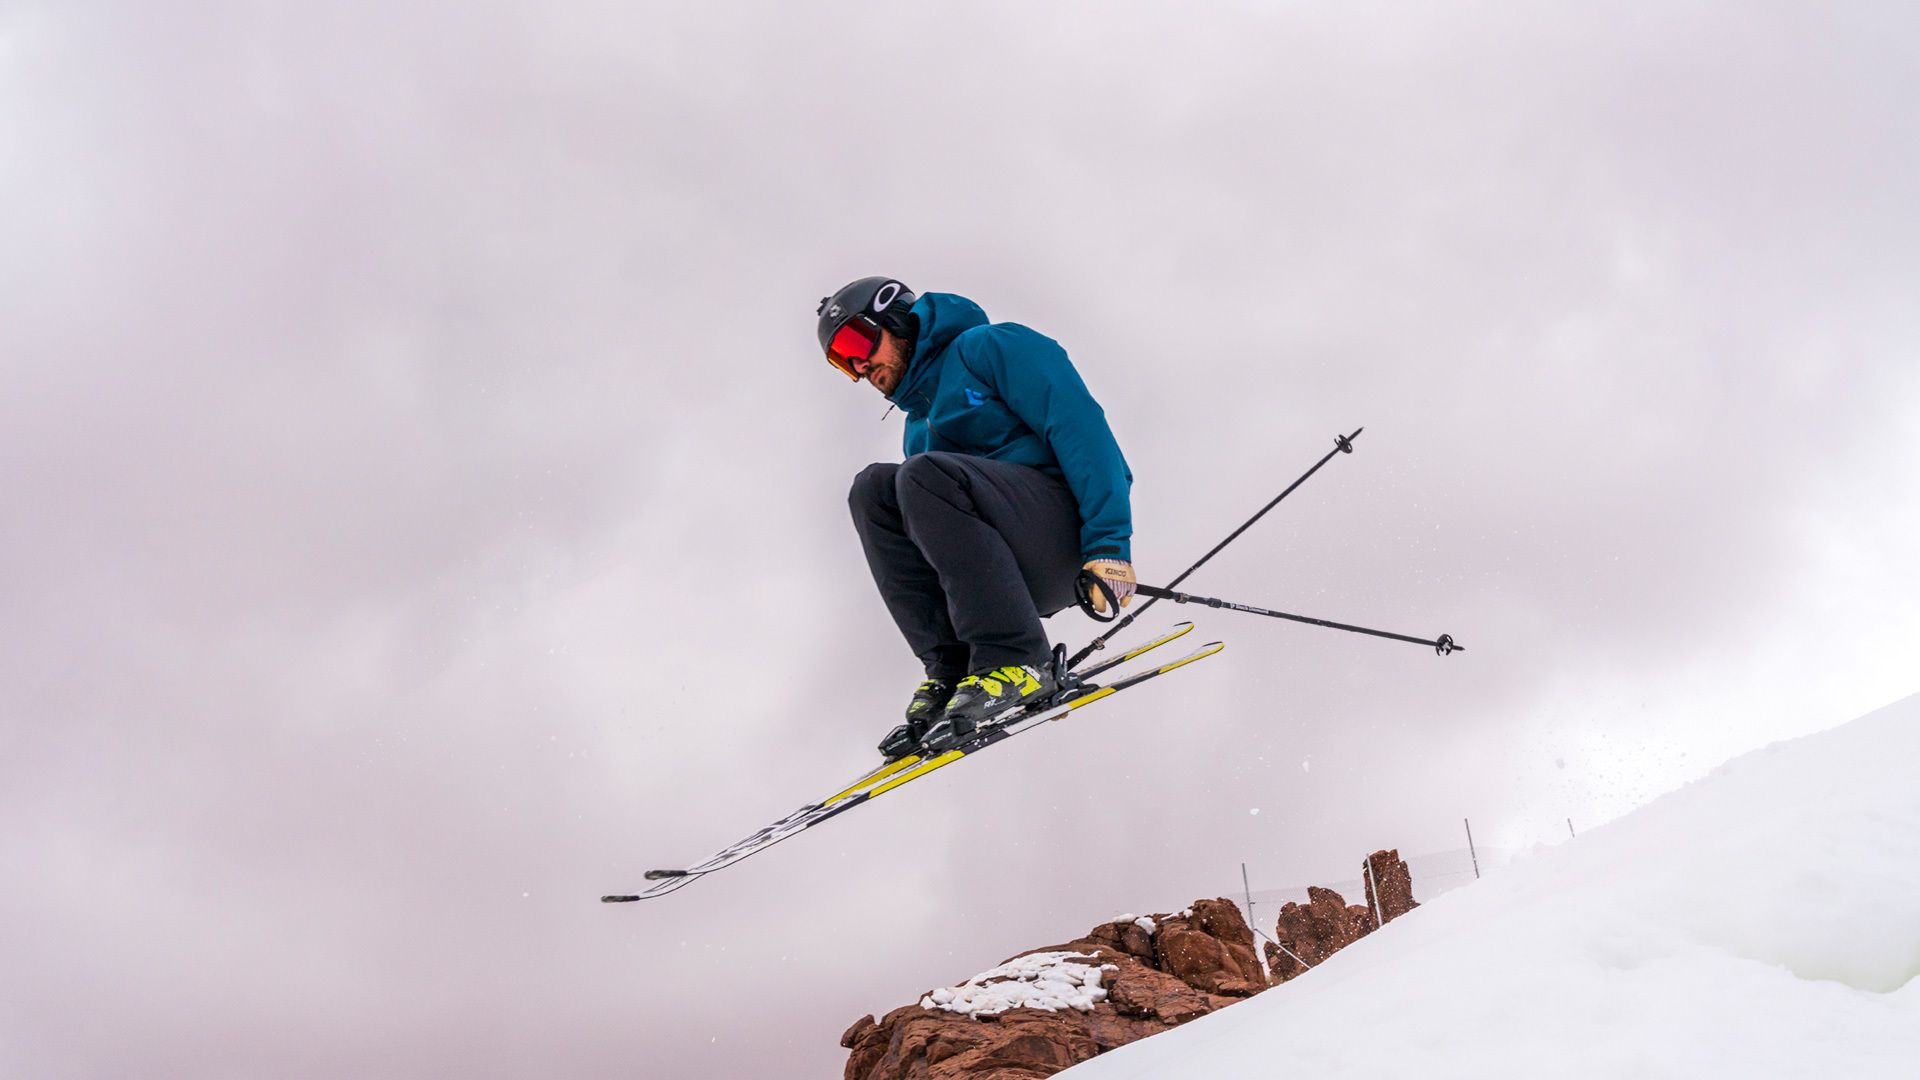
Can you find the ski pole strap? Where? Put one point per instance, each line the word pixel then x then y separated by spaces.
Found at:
pixel 1085 587
pixel 1443 644
pixel 1342 444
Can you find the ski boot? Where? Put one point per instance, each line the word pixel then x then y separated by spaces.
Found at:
pixel 929 704
pixel 978 698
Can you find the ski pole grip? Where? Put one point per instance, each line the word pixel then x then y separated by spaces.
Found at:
pixel 1084 586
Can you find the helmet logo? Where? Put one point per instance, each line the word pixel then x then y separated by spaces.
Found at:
pixel 886 295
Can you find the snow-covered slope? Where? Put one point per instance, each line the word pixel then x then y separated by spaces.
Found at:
pixel 1764 921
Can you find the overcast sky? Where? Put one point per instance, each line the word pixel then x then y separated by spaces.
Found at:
pixel 425 499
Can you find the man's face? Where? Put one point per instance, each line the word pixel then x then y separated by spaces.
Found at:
pixel 887 365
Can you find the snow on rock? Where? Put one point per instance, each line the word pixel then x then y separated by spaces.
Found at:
pixel 1048 1008
pixel 1049 980
pixel 1763 921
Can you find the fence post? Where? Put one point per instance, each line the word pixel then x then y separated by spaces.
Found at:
pixel 1249 888
pixel 1373 892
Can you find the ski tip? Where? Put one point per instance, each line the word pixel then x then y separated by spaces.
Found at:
pixel 662 875
pixel 618 899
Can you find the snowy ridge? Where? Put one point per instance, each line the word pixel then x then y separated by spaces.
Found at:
pixel 1764 921
pixel 1047 980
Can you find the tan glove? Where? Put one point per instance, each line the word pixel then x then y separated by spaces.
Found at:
pixel 1118 574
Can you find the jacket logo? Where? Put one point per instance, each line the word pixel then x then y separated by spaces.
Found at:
pixel 975 397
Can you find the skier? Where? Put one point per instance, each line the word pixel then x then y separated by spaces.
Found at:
pixel 1012 484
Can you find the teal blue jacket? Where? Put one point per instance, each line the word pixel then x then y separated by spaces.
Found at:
pixel 1008 393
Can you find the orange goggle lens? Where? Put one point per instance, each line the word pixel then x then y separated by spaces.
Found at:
pixel 854 342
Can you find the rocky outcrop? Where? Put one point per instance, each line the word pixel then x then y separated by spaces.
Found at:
pixel 1385 869
pixel 1048 1009
pixel 1122 981
pixel 1308 933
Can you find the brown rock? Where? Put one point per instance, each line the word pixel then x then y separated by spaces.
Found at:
pixel 1386 869
pixel 860 1027
pixel 1314 931
pixel 867 1050
pixel 1145 994
pixel 1193 963
pixel 1125 937
pixel 1202 959
pixel 1210 949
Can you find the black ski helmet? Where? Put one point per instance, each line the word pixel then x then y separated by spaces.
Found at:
pixel 885 300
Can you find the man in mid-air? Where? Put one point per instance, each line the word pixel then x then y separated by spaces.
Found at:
pixel 1012 485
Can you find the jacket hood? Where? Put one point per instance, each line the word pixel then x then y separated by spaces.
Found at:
pixel 943 317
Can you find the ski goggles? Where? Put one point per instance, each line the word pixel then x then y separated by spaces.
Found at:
pixel 854 343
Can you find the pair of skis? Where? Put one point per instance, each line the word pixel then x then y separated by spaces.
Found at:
pixel 905 770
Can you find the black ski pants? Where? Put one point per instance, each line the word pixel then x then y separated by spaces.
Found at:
pixel 969 554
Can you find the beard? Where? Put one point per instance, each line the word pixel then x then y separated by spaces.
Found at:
pixel 890 368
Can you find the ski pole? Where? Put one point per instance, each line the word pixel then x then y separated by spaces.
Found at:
pixel 1342 444
pixel 1443 644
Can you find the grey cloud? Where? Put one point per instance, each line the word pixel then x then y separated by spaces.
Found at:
pixel 425 507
